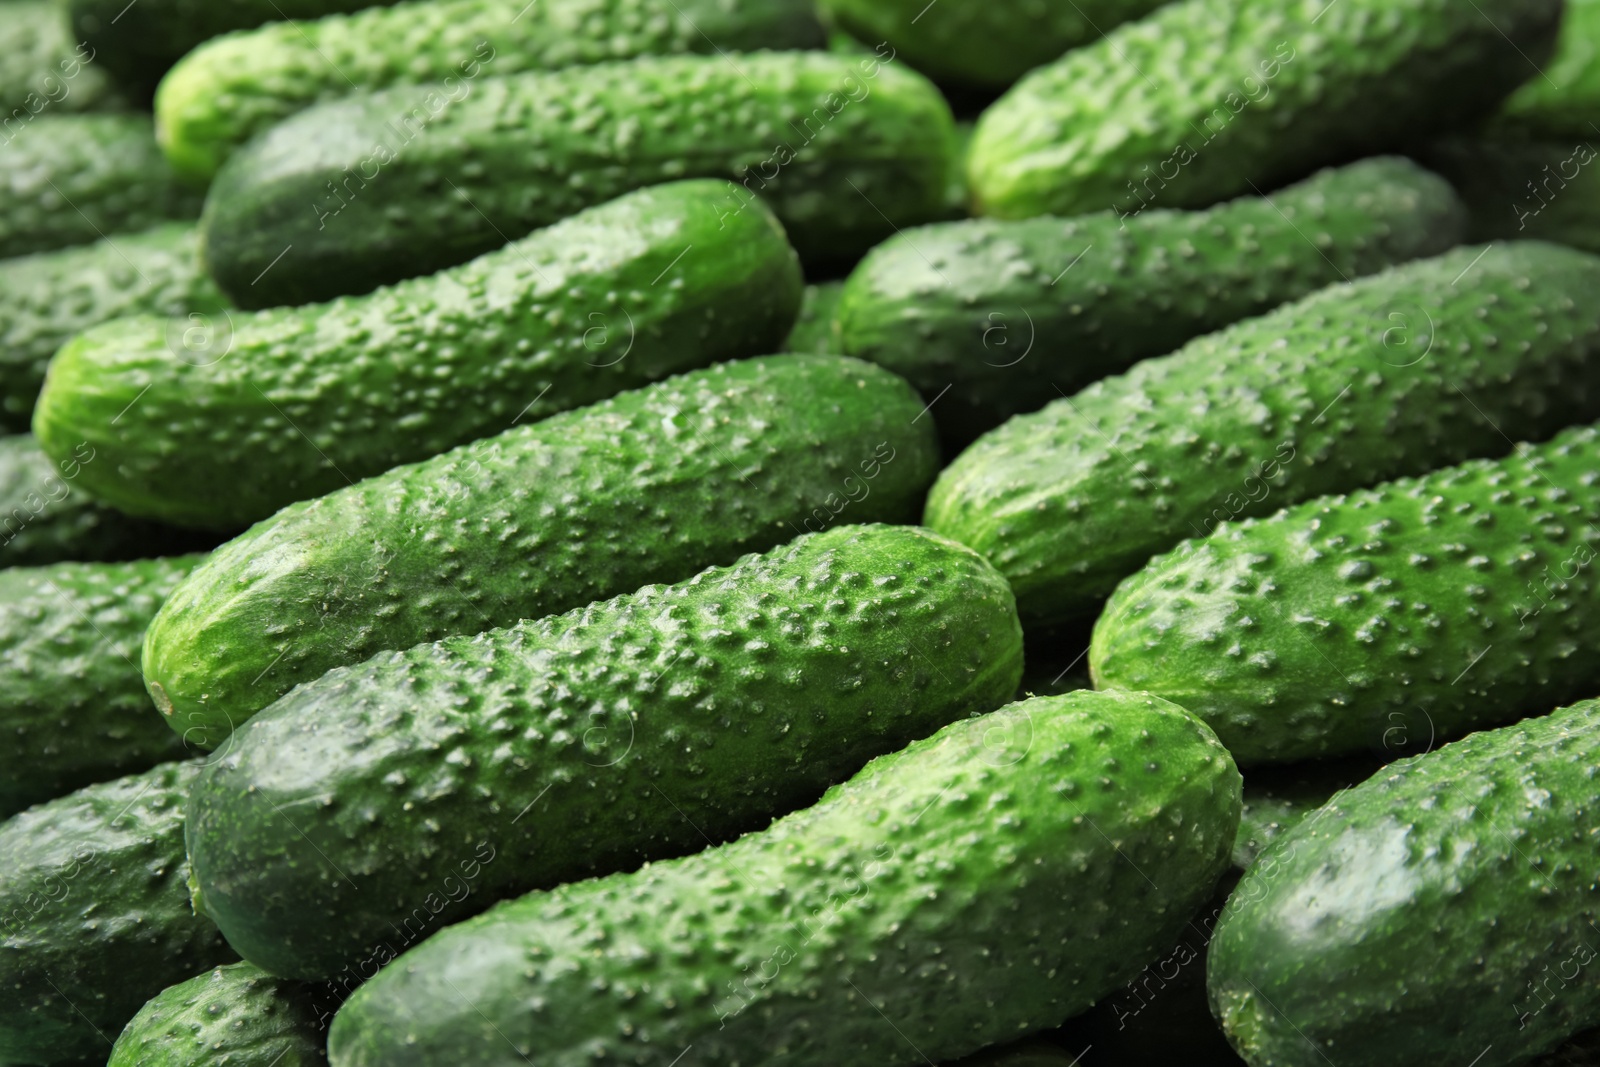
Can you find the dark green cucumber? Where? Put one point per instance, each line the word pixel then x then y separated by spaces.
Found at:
pixel 1208 99
pixel 1564 103
pixel 1079 832
pixel 376 187
pixel 233 1016
pixel 980 43
pixel 42 68
pixel 229 90
pixel 48 297
pixel 693 471
pixel 1443 911
pixel 95 916
pixel 72 179
pixel 1438 604
pixel 136 43
pixel 74 708
pixel 1008 316
pixel 290 403
pixel 1402 372
pixel 813 330
pixel 46 516
pixel 430 783
pixel 1548 190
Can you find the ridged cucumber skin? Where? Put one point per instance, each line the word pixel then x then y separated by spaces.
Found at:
pixel 511 154
pixel 630 729
pixel 1439 604
pixel 1006 313
pixel 233 1016
pixel 1402 372
pixel 1564 103
pixel 1513 188
pixel 75 709
pixel 230 89
pixel 291 403
pixel 979 44
pixel 42 67
pixel 1208 99
pixel 1418 918
pixel 813 329
pixel 49 297
pixel 651 486
pixel 883 901
pixel 73 179
pixel 46 516
pixel 95 916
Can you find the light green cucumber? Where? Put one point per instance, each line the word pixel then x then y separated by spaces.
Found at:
pixel 233 1016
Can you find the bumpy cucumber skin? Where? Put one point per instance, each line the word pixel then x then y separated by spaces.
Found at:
pixel 72 179
pixel 1417 919
pixel 290 403
pixel 75 709
pixel 233 1016
pixel 94 914
pixel 883 901
pixel 46 516
pixel 651 486
pixel 585 743
pixel 1441 604
pixel 1006 313
pixel 1563 104
pixel 43 68
pixel 49 297
pixel 1348 387
pixel 1513 188
pixel 507 155
pixel 978 43
pixel 230 89
pixel 813 329
pixel 1208 99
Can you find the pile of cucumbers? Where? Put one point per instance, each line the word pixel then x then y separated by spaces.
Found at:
pixel 736 532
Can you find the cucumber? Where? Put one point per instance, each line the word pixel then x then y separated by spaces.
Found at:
pixel 72 179
pixel 980 44
pixel 693 471
pixel 1008 315
pixel 230 89
pixel 137 43
pixel 75 709
pixel 233 1016
pixel 1440 912
pixel 42 68
pixel 631 729
pixel 380 186
pixel 1545 190
pixel 95 916
pixel 47 517
pixel 1564 103
pixel 1399 373
pixel 48 297
pixel 1435 605
pixel 1208 99
pixel 813 330
pixel 288 404
pixel 1079 832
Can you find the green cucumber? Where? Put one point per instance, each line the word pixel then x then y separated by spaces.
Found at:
pixel 43 69
pixel 1562 104
pixel 74 709
pixel 981 44
pixel 1440 912
pixel 1434 605
pixel 1007 316
pixel 230 89
pixel 424 785
pixel 1209 99
pixel 95 916
pixel 72 179
pixel 380 186
pixel 49 297
pixel 233 1016
pixel 813 330
pixel 47 517
pixel 1545 190
pixel 290 403
pixel 1399 373
pixel 989 881
pixel 693 471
